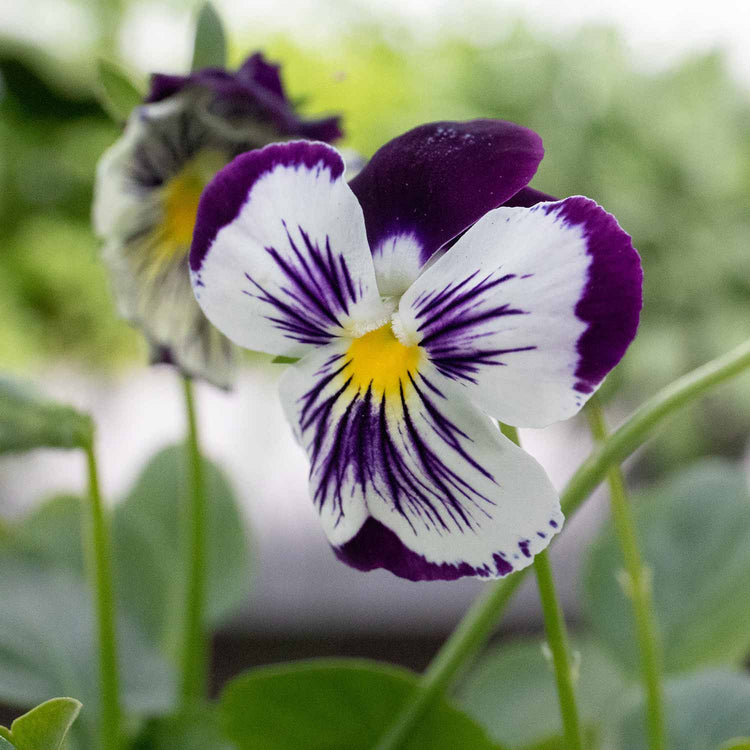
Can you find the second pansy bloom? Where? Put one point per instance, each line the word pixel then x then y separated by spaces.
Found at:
pixel 411 351
pixel 149 183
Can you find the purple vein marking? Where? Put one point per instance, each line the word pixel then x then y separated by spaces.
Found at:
pixel 355 443
pixel 454 319
pixel 316 292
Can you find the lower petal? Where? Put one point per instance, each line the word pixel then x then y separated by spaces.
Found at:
pixel 413 478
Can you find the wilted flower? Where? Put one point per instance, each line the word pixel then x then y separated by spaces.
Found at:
pixel 407 347
pixel 149 183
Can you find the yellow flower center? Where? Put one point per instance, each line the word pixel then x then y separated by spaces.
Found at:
pixel 379 360
pixel 180 204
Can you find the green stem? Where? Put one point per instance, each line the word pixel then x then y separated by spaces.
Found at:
pixel 639 588
pixel 557 636
pixel 194 684
pixel 473 632
pixel 99 549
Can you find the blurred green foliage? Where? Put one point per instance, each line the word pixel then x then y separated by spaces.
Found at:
pixel 668 153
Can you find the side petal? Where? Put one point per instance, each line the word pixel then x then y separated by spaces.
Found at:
pixel 279 261
pixel 530 309
pixel 427 186
pixel 256 69
pixel 254 93
pixel 415 479
pixel 146 250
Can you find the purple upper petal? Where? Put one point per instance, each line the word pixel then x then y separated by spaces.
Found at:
pixel 254 90
pixel 436 180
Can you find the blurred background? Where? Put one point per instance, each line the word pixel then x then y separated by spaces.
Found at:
pixel 643 106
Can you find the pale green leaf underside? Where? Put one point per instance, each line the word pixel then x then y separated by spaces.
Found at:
pixel 28 420
pixel 694 532
pixel 44 727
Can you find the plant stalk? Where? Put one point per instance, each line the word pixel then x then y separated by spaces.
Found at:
pixel 639 588
pixel 557 636
pixel 194 674
pixel 99 556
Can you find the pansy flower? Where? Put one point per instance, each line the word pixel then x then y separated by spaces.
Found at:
pixel 149 183
pixel 412 344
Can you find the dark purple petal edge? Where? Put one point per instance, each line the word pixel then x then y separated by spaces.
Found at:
pixel 438 179
pixel 376 546
pixel 258 70
pixel 613 296
pixel 228 191
pixel 257 83
pixel 528 197
pixel 255 72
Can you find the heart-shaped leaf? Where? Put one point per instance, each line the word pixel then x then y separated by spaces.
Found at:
pixel 703 711
pixel 44 727
pixel 148 543
pixel 197 731
pixel 149 549
pixel 511 691
pixel 48 647
pixel 736 743
pixel 29 421
pixel 694 533
pixel 335 705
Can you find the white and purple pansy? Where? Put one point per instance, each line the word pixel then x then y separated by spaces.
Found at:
pixel 410 351
pixel 148 186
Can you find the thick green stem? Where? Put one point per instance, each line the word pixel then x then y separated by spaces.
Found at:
pixel 194 684
pixel 99 557
pixel 639 588
pixel 557 636
pixel 477 626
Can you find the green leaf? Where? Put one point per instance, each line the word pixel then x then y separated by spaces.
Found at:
pixel 210 46
pixel 703 711
pixel 147 538
pixel 4 744
pixel 52 533
pixel 198 731
pixel 736 743
pixel 118 93
pixel 694 532
pixel 44 727
pixel 29 421
pixel 281 360
pixel 511 691
pixel 335 705
pixel 48 646
pixel 149 552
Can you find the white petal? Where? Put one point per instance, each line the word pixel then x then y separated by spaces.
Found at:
pixel 530 309
pixel 415 480
pixel 280 261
